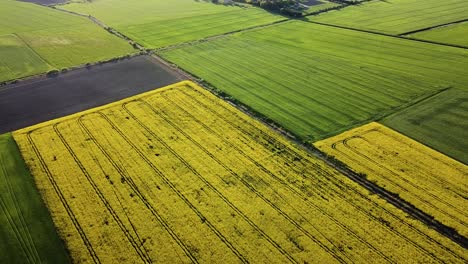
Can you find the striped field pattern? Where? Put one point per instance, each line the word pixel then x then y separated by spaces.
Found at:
pixel 317 81
pixel 178 175
pixel 426 178
pixel 397 16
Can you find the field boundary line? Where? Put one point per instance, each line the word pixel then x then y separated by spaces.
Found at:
pixel 143 254
pixel 23 224
pixel 345 141
pixel 434 27
pixel 73 68
pixel 214 37
pixel 415 102
pixel 388 35
pixel 266 200
pixel 62 198
pixel 33 50
pixel 386 195
pixel 205 181
pixel 162 221
pixel 337 182
pixel 267 171
pixel 169 182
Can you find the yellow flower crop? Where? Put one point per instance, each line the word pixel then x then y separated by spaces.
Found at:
pixel 422 176
pixel 177 175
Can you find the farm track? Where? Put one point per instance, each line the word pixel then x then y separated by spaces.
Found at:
pixel 403 187
pixel 212 187
pixel 135 188
pixel 24 238
pixel 135 243
pixel 370 186
pixel 172 186
pixel 323 173
pixel 390 197
pixel 62 199
pixel 270 181
pixel 272 175
pixel 266 200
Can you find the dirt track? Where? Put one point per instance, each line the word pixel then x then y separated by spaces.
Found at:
pixel 41 99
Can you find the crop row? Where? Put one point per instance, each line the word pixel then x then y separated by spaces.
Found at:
pixel 147 177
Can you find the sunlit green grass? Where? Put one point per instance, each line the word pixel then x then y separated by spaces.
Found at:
pixel 397 16
pixel 160 23
pixel 36 39
pixel 318 81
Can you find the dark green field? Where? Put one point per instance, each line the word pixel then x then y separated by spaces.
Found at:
pixel 439 122
pixel 28 234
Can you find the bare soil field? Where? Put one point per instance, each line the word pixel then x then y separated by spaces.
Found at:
pixel 45 98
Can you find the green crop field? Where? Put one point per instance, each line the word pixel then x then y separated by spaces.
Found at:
pixel 159 23
pixel 35 39
pixel 453 34
pixel 17 59
pixel 397 16
pixel 316 80
pixel 439 122
pixel 26 229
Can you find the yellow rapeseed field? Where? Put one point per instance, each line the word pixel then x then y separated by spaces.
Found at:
pixel 177 175
pixel 422 176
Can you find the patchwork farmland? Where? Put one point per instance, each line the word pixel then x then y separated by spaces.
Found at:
pixel 41 99
pixel 426 178
pixel 428 122
pixel 24 221
pixel 37 39
pixel 152 22
pixel 318 86
pixel 397 16
pixel 233 131
pixel 147 178
pixel 449 34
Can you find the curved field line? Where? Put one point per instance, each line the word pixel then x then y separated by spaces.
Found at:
pixel 439 180
pixel 135 244
pixel 232 206
pixel 59 193
pixel 432 156
pixel 435 197
pixel 338 183
pixel 135 188
pixel 248 185
pixel 283 183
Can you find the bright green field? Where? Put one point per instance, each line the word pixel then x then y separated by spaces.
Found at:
pixel 159 23
pixel 27 233
pixel 17 59
pixel 49 39
pixel 439 122
pixel 454 34
pixel 316 80
pixel 397 16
